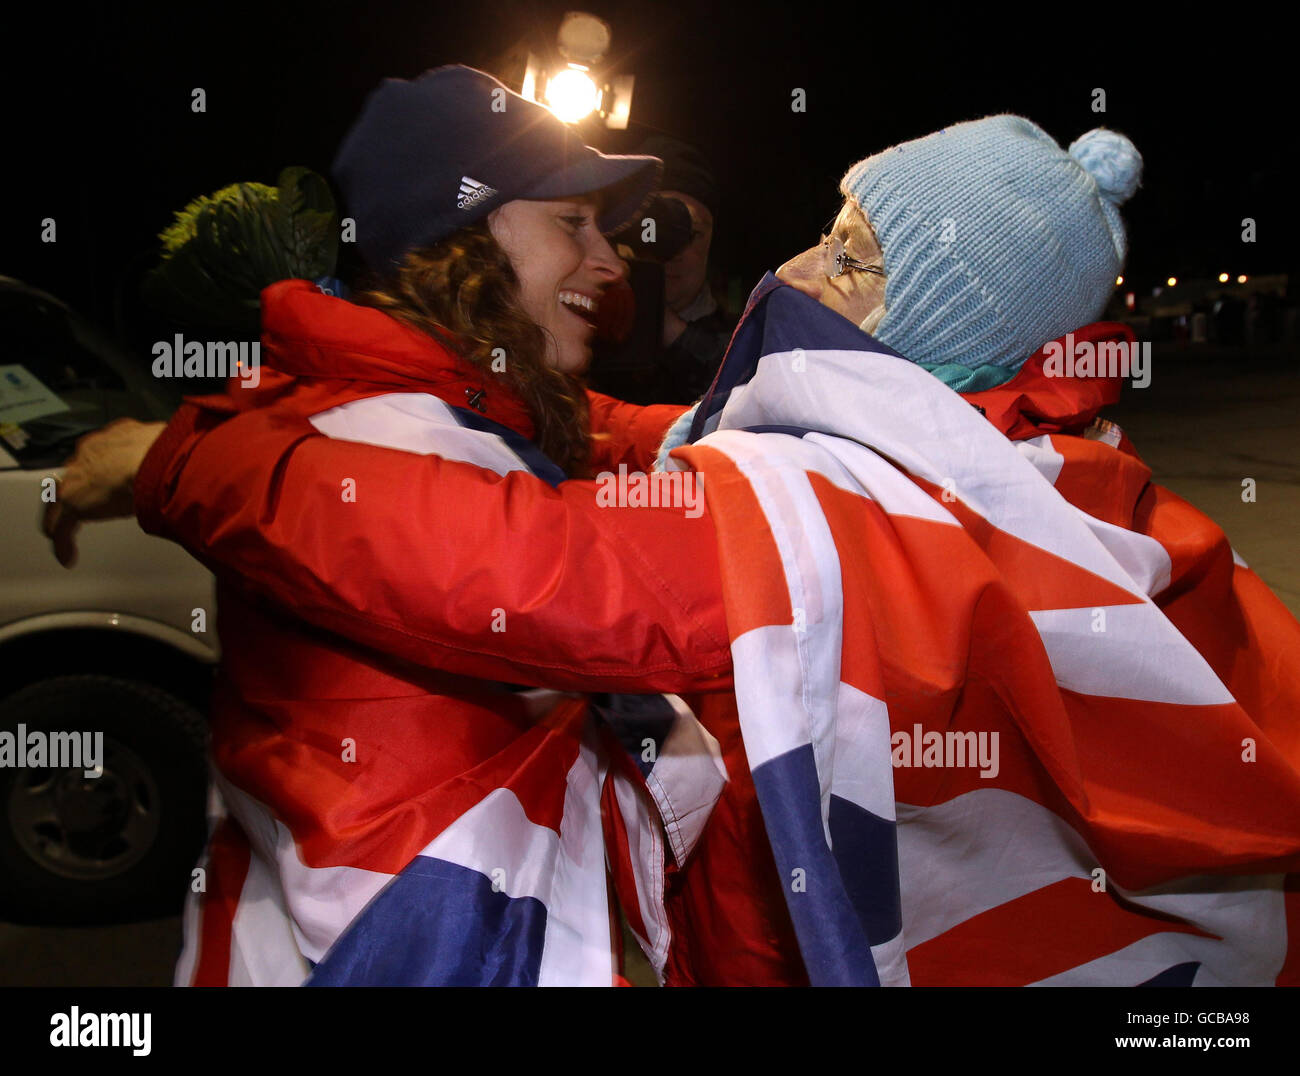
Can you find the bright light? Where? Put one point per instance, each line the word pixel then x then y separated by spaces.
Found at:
pixel 1172 281
pixel 1223 278
pixel 1118 281
pixel 572 95
pixel 1241 279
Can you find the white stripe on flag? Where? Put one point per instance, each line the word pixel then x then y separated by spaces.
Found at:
pixel 864 771
pixel 987 847
pixel 977 851
pixel 1143 559
pixel 908 416
pixel 646 853
pixel 1137 654
pixel 778 695
pixel 686 779
pixel 1043 455
pixel 565 871
pixel 890 959
pixel 842 463
pixel 320 901
pixel 263 950
pixel 1247 915
pixel 812 572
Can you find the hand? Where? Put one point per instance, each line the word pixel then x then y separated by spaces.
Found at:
pixel 98 482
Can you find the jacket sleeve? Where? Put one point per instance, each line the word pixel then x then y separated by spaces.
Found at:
pixel 443 563
pixel 627 433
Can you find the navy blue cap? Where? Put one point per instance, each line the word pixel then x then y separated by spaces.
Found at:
pixel 430 155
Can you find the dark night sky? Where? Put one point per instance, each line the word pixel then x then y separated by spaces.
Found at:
pixel 102 137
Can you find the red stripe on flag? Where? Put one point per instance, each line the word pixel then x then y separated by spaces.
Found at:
pixel 919 588
pixel 753 577
pixel 1041 580
pixel 225 872
pixel 1099 479
pixel 618 856
pixel 1158 790
pixel 1041 934
pixel 381 811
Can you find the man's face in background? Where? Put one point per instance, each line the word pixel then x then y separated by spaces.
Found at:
pixel 685 273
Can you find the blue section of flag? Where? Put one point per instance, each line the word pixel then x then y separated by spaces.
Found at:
pixel 453 930
pixel 832 937
pixel 866 848
pixel 777 319
pixel 1178 975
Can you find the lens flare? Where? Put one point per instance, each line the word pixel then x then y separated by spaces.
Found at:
pixel 571 95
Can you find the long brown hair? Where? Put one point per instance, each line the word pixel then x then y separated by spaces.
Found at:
pixel 463 291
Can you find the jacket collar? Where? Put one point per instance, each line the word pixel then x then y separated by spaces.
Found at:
pixel 1040 400
pixel 308 335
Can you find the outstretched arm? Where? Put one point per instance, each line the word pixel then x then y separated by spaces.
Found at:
pixel 440 562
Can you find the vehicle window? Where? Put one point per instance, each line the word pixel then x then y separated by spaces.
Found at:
pixel 46 344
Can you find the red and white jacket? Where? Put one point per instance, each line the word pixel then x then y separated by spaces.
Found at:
pixel 297 817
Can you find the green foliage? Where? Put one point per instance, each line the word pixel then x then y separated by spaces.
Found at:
pixel 224 248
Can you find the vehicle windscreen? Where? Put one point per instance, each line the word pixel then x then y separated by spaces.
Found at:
pixel 60 378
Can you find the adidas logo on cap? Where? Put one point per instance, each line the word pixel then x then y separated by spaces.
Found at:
pixel 472 192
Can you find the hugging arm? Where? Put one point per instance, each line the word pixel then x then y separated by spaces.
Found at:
pixel 627 433
pixel 444 563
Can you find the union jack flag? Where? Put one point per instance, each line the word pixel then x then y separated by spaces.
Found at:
pixel 1013 713
pixel 522 855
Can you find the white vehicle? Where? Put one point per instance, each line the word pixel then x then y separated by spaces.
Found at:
pixel 109 646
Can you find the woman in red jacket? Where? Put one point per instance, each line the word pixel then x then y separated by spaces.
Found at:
pixel 355 790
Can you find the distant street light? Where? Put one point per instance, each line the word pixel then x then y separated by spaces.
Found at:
pixel 1223 278
pixel 1241 279
pixel 1172 281
pixel 1118 281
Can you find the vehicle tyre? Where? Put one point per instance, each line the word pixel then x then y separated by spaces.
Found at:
pixel 114 848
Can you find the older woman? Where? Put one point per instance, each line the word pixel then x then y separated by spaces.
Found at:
pixel 969 644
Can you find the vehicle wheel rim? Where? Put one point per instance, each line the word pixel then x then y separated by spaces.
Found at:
pixel 87 828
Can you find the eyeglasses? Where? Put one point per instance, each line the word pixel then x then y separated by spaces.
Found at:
pixel 835 260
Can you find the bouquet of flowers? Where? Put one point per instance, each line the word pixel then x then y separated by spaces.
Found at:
pixel 224 248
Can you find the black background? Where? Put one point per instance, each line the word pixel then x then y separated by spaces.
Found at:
pixel 103 139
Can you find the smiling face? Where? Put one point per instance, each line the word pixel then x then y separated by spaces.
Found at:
pixel 564 266
pixel 856 295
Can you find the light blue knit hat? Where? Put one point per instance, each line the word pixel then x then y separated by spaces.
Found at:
pixel 995 241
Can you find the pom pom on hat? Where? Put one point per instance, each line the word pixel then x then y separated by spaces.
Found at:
pixel 1112 160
